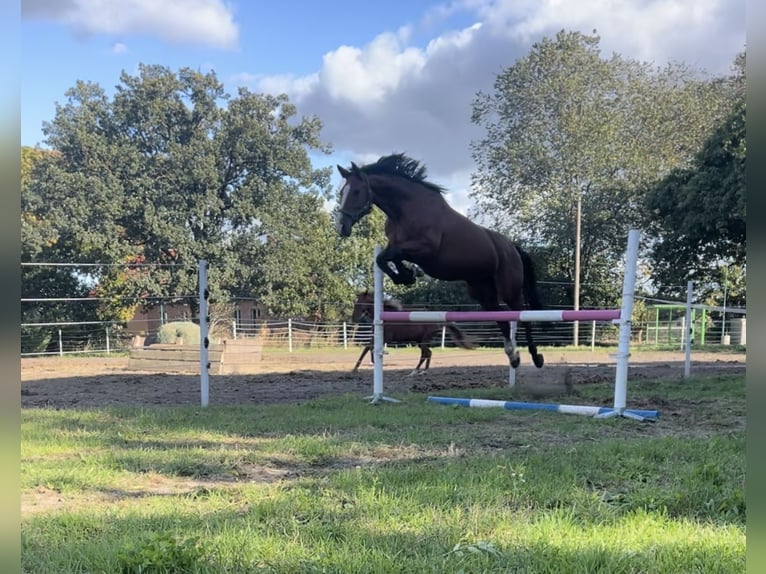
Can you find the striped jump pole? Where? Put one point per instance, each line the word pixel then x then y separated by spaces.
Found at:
pixel 520 316
pixel 521 406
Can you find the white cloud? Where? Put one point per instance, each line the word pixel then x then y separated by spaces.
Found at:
pixel 119 48
pixel 208 22
pixel 391 96
pixel 652 31
pixel 297 87
pixel 364 77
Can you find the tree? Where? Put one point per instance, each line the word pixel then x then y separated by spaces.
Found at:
pixel 39 242
pixel 567 128
pixel 697 215
pixel 168 171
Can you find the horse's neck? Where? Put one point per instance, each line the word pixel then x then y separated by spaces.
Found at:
pixel 402 200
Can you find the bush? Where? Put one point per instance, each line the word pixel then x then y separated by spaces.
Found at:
pixel 187 330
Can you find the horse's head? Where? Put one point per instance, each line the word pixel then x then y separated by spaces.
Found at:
pixel 363 308
pixel 355 199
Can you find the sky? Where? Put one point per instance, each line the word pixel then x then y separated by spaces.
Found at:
pixel 384 77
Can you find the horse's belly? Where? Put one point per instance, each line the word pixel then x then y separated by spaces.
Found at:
pixel 458 271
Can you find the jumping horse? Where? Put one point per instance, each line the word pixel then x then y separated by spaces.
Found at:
pixel 417 333
pixel 422 229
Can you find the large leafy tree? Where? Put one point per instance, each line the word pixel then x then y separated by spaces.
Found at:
pixel 170 170
pixel 697 214
pixel 565 126
pixel 297 262
pixel 39 242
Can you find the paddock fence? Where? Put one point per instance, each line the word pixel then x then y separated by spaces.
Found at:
pixel 658 330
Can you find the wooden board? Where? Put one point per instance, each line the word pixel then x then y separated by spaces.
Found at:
pixel 178 358
pixel 235 356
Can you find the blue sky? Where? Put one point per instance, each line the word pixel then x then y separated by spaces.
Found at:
pixel 386 76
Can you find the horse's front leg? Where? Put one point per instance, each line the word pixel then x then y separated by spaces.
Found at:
pixel 400 274
pixel 509 342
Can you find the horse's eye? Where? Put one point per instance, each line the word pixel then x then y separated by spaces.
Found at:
pixel 355 192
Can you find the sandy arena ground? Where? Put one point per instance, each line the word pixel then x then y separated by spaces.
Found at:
pixel 77 382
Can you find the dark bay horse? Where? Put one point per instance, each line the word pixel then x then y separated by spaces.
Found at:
pixel 417 333
pixel 422 229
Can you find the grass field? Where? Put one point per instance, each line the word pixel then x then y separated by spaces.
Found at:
pixel 337 485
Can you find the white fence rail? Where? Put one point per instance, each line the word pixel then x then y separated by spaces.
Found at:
pixel 38 339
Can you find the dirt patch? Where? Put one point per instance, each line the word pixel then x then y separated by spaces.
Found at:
pixel 63 382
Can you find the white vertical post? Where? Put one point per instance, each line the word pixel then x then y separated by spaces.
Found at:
pixel 688 355
pixel 684 329
pixel 723 315
pixel 378 341
pixel 204 341
pixel 107 339
pixel 511 370
pixel 345 335
pixel 377 329
pixel 61 345
pixel 290 335
pixel 592 336
pixel 234 329
pixel 444 335
pixel 626 312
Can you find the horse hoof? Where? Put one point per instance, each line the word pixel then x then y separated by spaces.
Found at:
pixel 515 362
pixel 538 360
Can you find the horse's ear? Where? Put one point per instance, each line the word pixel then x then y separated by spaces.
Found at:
pixel 344 172
pixel 354 168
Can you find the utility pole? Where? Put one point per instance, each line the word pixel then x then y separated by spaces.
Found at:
pixel 578 223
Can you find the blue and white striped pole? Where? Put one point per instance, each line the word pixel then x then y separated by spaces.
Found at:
pixel 522 406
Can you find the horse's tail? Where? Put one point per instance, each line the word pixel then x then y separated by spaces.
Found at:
pixel 459 336
pixel 531 295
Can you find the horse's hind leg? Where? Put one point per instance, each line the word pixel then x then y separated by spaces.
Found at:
pixel 425 358
pixel 486 295
pixel 359 360
pixel 510 345
pixel 537 358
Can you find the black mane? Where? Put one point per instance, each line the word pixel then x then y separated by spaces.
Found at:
pixel 401 165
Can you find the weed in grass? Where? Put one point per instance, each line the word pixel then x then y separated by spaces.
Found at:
pixel 162 553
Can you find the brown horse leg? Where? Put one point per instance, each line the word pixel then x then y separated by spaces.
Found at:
pixel 401 275
pixel 486 295
pixel 367 349
pixel 537 358
pixel 425 357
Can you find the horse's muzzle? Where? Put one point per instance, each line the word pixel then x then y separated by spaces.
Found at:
pixel 344 227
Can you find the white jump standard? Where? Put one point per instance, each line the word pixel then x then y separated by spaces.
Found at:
pixel 621 316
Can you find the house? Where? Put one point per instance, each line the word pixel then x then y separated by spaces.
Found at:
pixel 247 313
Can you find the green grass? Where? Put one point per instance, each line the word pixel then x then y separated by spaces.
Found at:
pixel 337 485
